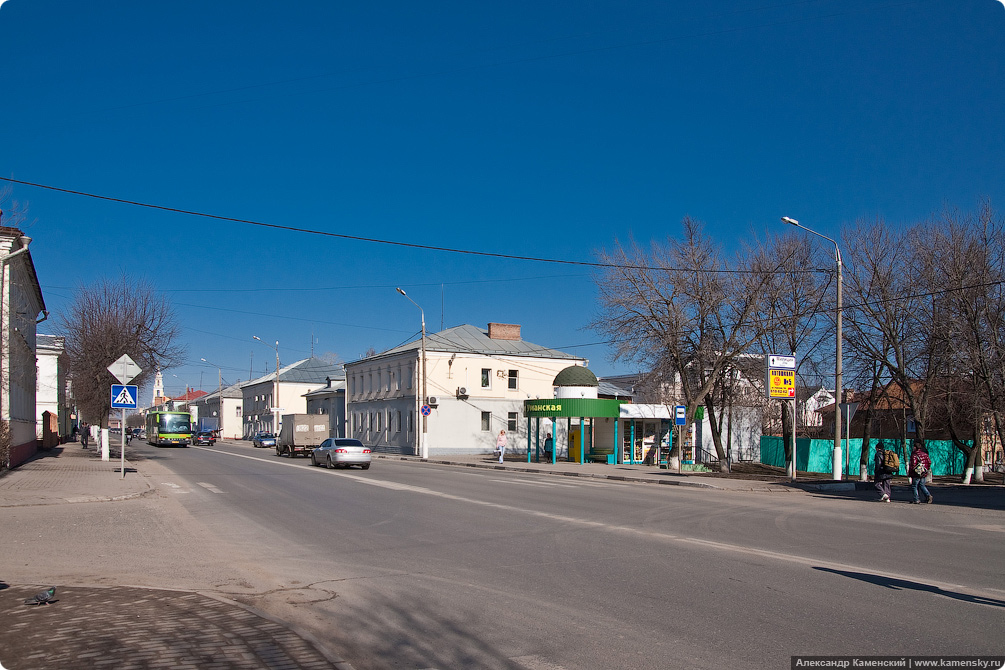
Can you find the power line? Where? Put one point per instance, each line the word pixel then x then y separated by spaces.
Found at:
pixel 359 238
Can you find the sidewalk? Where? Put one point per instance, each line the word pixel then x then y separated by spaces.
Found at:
pixel 639 474
pixel 129 627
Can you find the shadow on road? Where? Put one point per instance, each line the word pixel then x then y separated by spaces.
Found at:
pixel 905 585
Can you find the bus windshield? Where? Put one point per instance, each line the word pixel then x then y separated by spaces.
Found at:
pixel 175 423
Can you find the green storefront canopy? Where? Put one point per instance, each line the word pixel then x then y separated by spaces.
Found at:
pixel 586 407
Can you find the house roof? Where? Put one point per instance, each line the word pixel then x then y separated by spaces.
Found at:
pixel 232 391
pixel 336 386
pixel 190 394
pixel 306 371
pixel 468 339
pixel 49 341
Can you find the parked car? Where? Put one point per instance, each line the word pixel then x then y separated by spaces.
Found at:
pixel 204 437
pixel 264 439
pixel 341 452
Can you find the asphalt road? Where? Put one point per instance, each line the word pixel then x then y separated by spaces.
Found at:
pixel 415 566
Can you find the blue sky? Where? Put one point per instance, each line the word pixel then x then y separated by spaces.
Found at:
pixel 544 129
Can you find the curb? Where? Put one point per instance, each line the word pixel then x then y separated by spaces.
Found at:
pixel 538 471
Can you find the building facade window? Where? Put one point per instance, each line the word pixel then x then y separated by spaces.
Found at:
pixel 486 378
pixel 398 420
pixel 513 380
pixel 409 377
pixel 486 421
pixel 511 421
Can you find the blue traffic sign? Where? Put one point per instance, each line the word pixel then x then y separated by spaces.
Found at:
pixel 123 396
pixel 680 415
pixel 426 410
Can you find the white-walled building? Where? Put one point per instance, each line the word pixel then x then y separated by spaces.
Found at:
pixel 226 406
pixel 20 305
pixel 260 397
pixel 476 382
pixel 50 385
pixel 330 400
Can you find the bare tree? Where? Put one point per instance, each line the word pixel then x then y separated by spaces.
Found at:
pixel 795 305
pixel 105 321
pixel 891 312
pixel 968 268
pixel 683 313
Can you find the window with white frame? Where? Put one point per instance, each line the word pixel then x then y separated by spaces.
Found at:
pixel 512 380
pixel 511 421
pixel 486 378
pixel 486 421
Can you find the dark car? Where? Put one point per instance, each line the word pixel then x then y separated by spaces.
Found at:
pixel 264 439
pixel 204 437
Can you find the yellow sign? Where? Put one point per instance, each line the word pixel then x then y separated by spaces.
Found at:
pixel 781 383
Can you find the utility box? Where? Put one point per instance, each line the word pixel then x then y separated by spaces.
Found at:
pixel 301 433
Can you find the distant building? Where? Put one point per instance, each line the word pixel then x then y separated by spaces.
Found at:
pixel 20 305
pixel 226 406
pixel 476 382
pixel 51 384
pixel 330 400
pixel 261 397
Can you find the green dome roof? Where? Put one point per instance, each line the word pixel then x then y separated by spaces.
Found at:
pixel 576 375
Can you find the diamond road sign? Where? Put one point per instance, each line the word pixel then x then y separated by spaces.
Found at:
pixel 123 397
pixel 124 369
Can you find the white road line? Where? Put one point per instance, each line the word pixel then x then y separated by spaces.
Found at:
pixel 533 483
pixel 671 538
pixel 209 487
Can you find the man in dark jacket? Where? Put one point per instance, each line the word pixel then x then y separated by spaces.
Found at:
pixel 883 474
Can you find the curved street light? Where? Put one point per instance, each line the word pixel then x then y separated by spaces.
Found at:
pixel 423 447
pixel 838 459
pixel 275 392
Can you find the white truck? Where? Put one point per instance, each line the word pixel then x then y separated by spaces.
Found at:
pixel 301 433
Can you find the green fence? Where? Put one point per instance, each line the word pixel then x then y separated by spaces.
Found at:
pixel 815 455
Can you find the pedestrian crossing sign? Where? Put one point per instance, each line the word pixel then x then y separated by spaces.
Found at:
pixel 123 396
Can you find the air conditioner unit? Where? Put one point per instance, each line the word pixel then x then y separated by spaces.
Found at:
pixel 462 392
pixel 432 401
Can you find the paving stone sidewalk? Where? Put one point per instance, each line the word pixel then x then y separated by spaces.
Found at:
pixel 91 627
pixel 133 628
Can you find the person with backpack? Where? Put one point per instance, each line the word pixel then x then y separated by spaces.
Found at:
pixel 884 469
pixel 918 469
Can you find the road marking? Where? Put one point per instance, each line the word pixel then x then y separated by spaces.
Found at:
pixel 174 486
pixel 724 547
pixel 529 662
pixel 531 483
pixel 209 487
pixel 535 663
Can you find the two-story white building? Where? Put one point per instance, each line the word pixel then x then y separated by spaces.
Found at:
pixel 20 305
pixel 271 395
pixel 476 381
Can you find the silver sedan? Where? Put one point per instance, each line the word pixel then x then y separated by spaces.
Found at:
pixel 341 452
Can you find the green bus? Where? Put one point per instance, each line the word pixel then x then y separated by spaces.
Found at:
pixel 167 428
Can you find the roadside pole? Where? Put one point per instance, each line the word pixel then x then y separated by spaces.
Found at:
pixel 123 397
pixel 780 383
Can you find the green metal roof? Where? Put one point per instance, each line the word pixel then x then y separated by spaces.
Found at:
pixel 576 375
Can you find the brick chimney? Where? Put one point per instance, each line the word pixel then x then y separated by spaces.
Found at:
pixel 504 331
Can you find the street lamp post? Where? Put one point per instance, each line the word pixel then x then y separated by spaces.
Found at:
pixel 275 392
pixel 219 372
pixel 837 355
pixel 423 445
